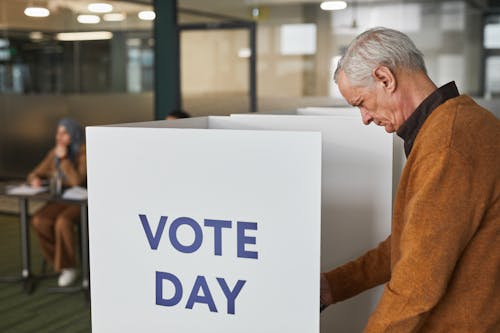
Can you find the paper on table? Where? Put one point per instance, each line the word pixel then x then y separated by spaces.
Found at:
pixel 25 189
pixel 75 193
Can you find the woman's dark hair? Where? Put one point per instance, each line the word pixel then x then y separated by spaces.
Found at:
pixel 179 114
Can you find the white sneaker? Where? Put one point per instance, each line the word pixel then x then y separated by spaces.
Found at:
pixel 67 277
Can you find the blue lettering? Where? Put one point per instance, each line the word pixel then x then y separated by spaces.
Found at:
pixel 198 234
pixel 154 241
pixel 242 239
pixel 231 294
pixel 160 276
pixel 217 225
pixel 206 298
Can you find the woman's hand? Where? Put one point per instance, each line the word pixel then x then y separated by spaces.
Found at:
pixel 61 151
pixel 36 182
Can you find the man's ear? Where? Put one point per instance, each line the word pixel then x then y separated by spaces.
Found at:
pixel 383 75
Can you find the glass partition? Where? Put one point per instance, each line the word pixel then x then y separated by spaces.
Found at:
pixel 492 55
pixel 215 71
pixel 299 44
pixel 66 59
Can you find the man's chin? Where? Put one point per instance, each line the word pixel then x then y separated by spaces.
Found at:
pixel 389 129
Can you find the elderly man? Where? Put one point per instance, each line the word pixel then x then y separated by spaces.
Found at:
pixel 441 263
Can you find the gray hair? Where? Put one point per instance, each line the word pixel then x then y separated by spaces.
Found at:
pixel 378 46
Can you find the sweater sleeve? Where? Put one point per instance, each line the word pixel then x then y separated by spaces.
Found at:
pixel 44 168
pixel 437 227
pixel 75 174
pixel 369 270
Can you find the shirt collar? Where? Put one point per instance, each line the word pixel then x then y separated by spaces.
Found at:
pixel 409 129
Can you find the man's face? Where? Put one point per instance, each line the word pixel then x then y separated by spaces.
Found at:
pixel 373 102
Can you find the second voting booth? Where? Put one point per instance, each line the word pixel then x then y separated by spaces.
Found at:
pixel 216 223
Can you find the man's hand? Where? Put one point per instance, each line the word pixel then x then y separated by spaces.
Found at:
pixel 325 294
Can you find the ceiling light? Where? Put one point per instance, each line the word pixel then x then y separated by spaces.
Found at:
pixel 147 15
pixel 88 19
pixel 88 35
pixel 36 35
pixel 100 7
pixel 333 5
pixel 113 17
pixel 36 12
pixel 134 42
pixel 244 53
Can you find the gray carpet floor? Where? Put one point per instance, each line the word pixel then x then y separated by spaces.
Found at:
pixel 39 311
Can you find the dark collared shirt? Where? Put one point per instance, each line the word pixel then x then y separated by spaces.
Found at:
pixel 410 128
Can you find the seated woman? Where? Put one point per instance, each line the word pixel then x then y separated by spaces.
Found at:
pixel 53 223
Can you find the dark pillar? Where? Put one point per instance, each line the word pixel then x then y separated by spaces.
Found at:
pixel 119 62
pixel 253 68
pixel 167 63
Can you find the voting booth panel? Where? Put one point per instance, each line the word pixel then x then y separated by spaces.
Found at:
pixel 344 111
pixel 399 157
pixel 356 177
pixel 356 197
pixel 203 229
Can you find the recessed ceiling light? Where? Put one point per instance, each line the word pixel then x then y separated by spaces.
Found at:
pixel 88 35
pixel 100 7
pixel 134 42
pixel 333 5
pixel 88 19
pixel 36 12
pixel 36 35
pixel 113 17
pixel 147 15
pixel 244 53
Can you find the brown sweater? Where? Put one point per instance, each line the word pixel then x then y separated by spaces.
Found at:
pixel 442 260
pixel 74 173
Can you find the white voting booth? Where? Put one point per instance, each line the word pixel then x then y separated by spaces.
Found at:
pixel 356 198
pixel 274 174
pixel 346 111
pixel 399 158
pixel 207 230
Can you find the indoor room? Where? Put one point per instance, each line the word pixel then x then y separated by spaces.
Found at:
pixel 247 77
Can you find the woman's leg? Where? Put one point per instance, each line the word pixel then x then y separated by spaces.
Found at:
pixel 64 249
pixel 43 222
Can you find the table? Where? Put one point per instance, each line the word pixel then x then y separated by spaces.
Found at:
pixel 27 277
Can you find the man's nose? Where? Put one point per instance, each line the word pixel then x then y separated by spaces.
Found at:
pixel 367 119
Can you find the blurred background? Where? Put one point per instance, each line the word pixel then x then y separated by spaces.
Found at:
pixel 97 64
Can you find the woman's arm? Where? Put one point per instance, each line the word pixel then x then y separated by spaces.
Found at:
pixel 75 174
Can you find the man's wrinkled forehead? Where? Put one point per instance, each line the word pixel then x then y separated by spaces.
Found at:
pixel 349 92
